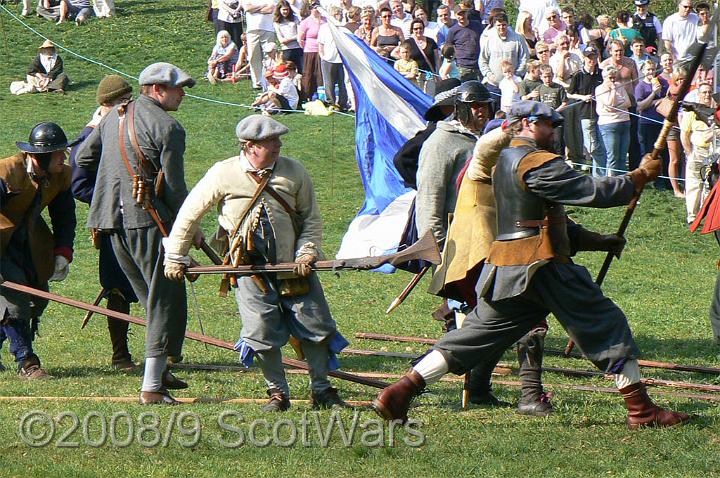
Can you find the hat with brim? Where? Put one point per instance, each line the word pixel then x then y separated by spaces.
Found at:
pixel 47 44
pixel 640 3
pixel 446 91
pixel 280 72
pixel 590 51
pixel 165 74
pixel 38 148
pixel 46 138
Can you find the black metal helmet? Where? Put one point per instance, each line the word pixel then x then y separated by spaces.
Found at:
pixel 45 138
pixel 473 92
pixel 468 93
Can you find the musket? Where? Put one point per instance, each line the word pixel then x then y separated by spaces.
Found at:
pixel 660 145
pixel 406 291
pixel 425 249
pixel 190 335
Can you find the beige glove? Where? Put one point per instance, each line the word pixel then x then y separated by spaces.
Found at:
pixel 303 263
pixel 174 271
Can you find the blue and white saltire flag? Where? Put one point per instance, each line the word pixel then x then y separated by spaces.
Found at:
pixel 389 111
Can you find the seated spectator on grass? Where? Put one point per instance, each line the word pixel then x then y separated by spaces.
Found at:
pixel 242 65
pixel 223 58
pixel 78 10
pixel 269 62
pixel 281 95
pixel 45 73
pixel 293 74
pixel 49 9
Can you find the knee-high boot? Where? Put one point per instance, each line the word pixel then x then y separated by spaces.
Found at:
pixel 533 401
pixel 121 358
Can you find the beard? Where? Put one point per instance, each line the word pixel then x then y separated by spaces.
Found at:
pixel 547 143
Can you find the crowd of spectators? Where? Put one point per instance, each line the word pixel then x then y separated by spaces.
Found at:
pixel 612 77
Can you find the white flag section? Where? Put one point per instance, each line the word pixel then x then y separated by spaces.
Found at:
pixel 389 111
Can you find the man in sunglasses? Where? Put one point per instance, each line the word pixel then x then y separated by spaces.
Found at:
pixel 679 30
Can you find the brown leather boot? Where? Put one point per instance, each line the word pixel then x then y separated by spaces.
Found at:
pixel 394 401
pixel 121 358
pixel 534 401
pixel 278 401
pixel 642 412
pixel 161 397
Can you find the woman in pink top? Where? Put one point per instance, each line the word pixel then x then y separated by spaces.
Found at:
pixel 613 121
pixel 307 37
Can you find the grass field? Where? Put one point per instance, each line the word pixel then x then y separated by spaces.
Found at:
pixel 664 283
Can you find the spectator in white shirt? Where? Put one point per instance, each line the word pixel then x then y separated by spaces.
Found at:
pixel 679 30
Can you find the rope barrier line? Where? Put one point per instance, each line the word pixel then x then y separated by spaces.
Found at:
pixel 625 171
pixel 115 70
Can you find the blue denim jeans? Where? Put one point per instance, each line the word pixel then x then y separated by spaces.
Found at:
pixel 647 134
pixel 616 137
pixel 594 145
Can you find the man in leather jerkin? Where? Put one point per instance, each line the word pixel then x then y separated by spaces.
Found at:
pixel 529 273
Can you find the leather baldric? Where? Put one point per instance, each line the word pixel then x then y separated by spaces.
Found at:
pixel 294 216
pixel 126 112
pixel 234 243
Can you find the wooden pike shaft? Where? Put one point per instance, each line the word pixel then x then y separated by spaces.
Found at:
pixel 408 288
pixel 190 335
pixel 90 313
pixel 549 351
pixel 660 144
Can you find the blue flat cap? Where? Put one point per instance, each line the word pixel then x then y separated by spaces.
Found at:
pixel 534 110
pixel 165 74
pixel 258 128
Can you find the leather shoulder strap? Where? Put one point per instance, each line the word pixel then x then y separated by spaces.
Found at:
pixel 122 114
pixel 294 216
pixel 262 183
pixel 133 136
